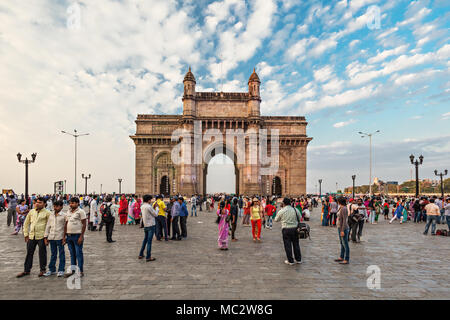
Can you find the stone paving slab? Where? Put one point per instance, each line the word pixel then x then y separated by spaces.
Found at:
pixel 413 266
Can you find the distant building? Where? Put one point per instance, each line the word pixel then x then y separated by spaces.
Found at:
pixel 430 182
pixel 395 183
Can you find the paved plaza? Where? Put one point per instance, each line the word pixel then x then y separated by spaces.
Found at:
pixel 413 266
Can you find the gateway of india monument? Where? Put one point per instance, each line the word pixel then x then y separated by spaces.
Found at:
pixel 156 173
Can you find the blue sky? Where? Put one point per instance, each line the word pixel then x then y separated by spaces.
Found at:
pixel 94 65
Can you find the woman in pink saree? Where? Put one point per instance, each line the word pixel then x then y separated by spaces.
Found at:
pixel 222 214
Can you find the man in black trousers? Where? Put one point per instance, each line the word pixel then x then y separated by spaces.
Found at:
pixel 175 214
pixel 108 218
pixel 184 213
pixel 169 214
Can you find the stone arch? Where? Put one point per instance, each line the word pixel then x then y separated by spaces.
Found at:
pixel 212 150
pixel 277 187
pixel 164 167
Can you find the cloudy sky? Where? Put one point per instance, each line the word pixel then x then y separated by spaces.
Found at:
pixel 95 65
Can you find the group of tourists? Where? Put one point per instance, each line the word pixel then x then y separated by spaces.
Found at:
pixel 42 228
pixel 349 216
pixel 261 212
pixel 45 224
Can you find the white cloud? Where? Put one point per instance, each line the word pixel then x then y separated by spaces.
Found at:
pixel 264 69
pixel 297 51
pixel 414 77
pixel 333 86
pixel 237 47
pixel 302 29
pixel 340 99
pixel 386 33
pixel 323 74
pixel 322 46
pixel 416 17
pixel 354 43
pixel 343 123
pixel 387 53
pixel 360 74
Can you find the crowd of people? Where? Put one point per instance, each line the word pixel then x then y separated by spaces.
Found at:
pixel 44 224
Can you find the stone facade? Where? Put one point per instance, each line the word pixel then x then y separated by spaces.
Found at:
pixel 156 173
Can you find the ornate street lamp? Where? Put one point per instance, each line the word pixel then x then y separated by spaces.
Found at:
pixel 86 179
pixel 26 162
pixel 416 163
pixel 442 181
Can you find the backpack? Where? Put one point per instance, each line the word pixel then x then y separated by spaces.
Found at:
pixel 106 213
pixel 303 229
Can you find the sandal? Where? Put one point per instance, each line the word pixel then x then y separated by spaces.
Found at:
pixel 150 259
pixel 338 260
pixel 344 262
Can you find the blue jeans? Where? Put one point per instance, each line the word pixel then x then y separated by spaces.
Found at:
pixel 448 222
pixel 345 249
pixel 57 248
pixel 148 236
pixel 442 218
pixel 76 251
pixel 194 208
pixel 269 221
pixel 424 216
pixel 417 216
pixel 431 219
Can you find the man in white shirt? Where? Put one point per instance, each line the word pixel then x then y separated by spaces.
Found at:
pixel 194 205
pixel 148 219
pixel 440 203
pixel 433 214
pixel 74 235
pixel 49 206
pixel 93 212
pixel 54 233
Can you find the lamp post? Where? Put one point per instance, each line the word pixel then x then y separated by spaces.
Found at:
pixel 26 162
pixel 86 179
pixel 101 185
pixel 353 189
pixel 120 185
pixel 75 135
pixel 416 163
pixel 320 188
pixel 370 151
pixel 442 181
pixel 65 189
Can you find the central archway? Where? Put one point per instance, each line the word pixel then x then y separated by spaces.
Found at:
pixel 211 152
pixel 221 175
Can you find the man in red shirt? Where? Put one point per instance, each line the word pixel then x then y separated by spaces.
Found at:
pixel 270 209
